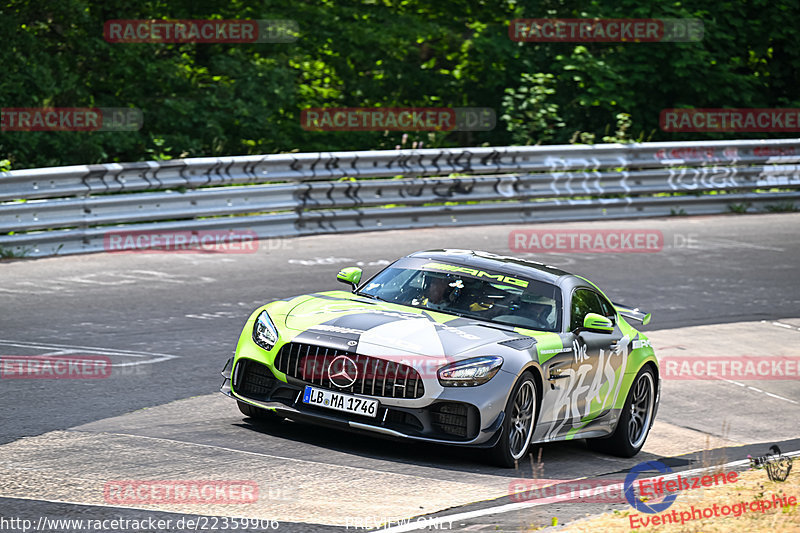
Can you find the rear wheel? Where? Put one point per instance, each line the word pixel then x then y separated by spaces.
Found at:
pixel 518 424
pixel 258 413
pixel 635 420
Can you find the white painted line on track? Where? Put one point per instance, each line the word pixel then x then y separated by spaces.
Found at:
pixel 780 397
pixel 734 382
pixel 41 345
pixel 69 349
pixel 781 324
pixel 730 243
pixel 758 390
pixel 433 522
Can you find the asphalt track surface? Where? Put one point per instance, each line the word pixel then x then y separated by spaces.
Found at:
pixel 169 321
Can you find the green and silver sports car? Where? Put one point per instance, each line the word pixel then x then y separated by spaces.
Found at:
pixel 458 347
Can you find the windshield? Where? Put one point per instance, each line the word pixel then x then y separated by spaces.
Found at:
pixel 464 291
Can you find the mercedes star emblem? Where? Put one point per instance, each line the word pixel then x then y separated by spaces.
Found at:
pixel 342 371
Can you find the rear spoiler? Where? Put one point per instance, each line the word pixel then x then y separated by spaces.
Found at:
pixel 633 313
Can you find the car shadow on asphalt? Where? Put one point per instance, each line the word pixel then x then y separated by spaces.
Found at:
pixel 557 460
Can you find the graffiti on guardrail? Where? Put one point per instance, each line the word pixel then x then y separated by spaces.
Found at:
pixel 294 194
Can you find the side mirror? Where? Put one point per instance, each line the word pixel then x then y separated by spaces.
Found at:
pixel 350 275
pixel 597 323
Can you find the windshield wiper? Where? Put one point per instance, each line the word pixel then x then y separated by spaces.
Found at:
pixel 371 296
pixel 446 312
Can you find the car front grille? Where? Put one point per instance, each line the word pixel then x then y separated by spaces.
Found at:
pixel 374 377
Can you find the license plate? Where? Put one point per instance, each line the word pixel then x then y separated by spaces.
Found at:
pixel 340 402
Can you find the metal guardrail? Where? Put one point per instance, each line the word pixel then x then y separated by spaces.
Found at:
pixel 71 209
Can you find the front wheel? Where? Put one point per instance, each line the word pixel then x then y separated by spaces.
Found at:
pixel 518 424
pixel 635 420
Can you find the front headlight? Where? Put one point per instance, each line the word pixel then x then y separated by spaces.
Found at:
pixel 470 372
pixel 264 332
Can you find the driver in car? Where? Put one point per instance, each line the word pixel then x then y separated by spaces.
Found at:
pixel 442 291
pixel 438 291
pixel 540 312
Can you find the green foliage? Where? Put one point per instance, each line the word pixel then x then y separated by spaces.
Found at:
pixel 237 99
pixel 622 135
pixel 739 208
pixel 7 253
pixel 781 207
pixel 528 114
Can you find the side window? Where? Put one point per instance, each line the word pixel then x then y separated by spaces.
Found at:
pixel 608 309
pixel 583 301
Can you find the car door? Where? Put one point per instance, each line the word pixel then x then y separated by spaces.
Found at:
pixel 595 358
pixel 555 417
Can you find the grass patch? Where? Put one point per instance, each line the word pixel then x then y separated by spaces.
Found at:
pixel 781 207
pixel 6 253
pixel 739 208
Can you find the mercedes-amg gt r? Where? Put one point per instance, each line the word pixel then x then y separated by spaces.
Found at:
pixel 453 346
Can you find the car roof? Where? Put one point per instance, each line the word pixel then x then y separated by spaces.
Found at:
pixel 501 263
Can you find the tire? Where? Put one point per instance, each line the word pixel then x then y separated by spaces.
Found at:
pixel 518 424
pixel 256 412
pixel 634 422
